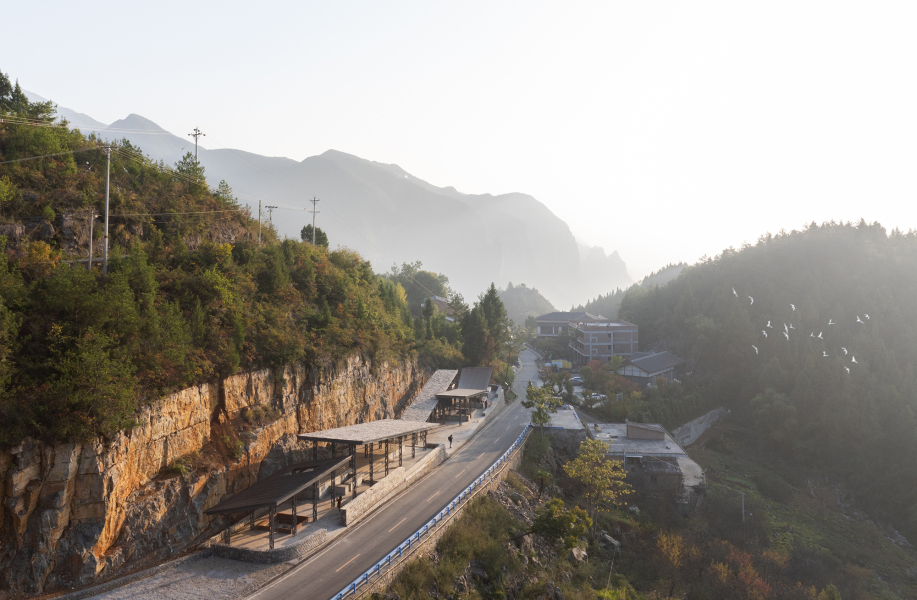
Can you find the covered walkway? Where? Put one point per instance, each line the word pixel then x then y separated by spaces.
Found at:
pixel 386 437
pixel 281 488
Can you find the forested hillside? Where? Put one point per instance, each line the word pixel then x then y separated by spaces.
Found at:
pixel 196 289
pixel 190 295
pixel 809 335
pixel 522 302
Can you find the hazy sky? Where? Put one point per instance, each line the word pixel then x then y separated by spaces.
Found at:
pixel 664 130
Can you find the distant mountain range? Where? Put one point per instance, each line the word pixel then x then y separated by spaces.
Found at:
pixel 390 216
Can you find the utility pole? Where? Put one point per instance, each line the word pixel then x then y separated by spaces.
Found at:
pixel 197 133
pixel 105 237
pixel 314 200
pixel 259 222
pixel 92 217
pixel 270 213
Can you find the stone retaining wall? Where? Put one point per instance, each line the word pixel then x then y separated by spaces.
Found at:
pixel 277 555
pixel 396 481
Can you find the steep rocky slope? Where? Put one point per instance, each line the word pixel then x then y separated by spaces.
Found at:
pixel 74 514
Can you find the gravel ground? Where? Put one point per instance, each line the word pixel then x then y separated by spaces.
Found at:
pixel 212 578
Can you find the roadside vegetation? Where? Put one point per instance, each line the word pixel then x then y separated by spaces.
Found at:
pixel 191 295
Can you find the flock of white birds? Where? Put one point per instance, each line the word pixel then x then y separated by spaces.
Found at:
pixel 820 336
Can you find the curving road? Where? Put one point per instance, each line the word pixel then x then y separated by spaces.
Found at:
pixel 355 551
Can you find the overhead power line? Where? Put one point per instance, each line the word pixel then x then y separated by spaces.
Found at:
pixel 6 162
pixel 190 179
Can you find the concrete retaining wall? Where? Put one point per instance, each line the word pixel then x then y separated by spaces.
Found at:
pixel 689 432
pixel 277 555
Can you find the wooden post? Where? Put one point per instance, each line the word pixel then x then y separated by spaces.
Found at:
pixel 414 445
pixel 371 480
pixel 400 450
pixel 295 520
pixel 353 468
pixel 270 528
pixel 314 501
pixel 386 458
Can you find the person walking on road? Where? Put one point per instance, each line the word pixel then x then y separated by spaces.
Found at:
pixel 450 440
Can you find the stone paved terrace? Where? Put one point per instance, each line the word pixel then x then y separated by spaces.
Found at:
pixel 425 402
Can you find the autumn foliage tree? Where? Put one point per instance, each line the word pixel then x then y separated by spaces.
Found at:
pixel 602 479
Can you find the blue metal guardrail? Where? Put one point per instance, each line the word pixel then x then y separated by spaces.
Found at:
pixel 415 537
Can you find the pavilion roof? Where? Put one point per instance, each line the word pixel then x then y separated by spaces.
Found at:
pixel 279 487
pixel 368 433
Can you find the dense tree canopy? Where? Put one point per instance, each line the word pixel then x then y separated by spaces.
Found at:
pixel 321 238
pixel 793 384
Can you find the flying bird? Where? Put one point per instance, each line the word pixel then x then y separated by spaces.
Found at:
pixel 793 306
pixel 764 332
pixel 819 335
pixel 735 293
pixel 752 300
pixel 812 334
pixel 769 324
pixel 825 354
pixel 853 359
pixel 845 350
pixel 755 347
pixel 831 322
pixel 867 316
pixel 785 328
pixel 791 326
pixel 848 370
pixel 787 335
pixel 859 320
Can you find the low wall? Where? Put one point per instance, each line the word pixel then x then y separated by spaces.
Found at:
pixel 689 432
pixel 277 555
pixel 396 481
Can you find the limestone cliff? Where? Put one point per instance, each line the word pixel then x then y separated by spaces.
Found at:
pixel 75 514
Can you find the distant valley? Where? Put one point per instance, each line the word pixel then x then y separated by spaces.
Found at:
pixel 390 216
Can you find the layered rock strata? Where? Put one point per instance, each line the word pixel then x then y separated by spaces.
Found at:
pixel 76 514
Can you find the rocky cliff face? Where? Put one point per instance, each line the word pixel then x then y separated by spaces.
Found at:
pixel 74 514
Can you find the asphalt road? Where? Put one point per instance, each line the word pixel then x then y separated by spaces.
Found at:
pixel 355 551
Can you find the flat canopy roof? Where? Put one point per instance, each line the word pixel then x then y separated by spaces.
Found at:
pixel 367 433
pixel 460 393
pixel 279 487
